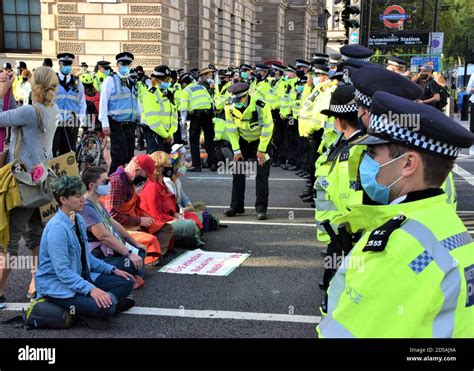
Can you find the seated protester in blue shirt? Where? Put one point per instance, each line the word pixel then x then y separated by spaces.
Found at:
pixel 108 240
pixel 68 275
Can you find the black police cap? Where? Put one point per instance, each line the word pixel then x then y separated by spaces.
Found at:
pixel 396 62
pixel 356 51
pixel 238 90
pixel 428 130
pixel 342 103
pixel 369 80
pixel 162 71
pixel 125 57
pixel 66 58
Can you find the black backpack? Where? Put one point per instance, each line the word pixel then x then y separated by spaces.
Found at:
pixel 444 96
pixel 44 314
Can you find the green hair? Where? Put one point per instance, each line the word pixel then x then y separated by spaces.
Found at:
pixel 67 186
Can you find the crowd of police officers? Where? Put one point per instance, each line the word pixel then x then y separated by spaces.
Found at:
pixel 377 160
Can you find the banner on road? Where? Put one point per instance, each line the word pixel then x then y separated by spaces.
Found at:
pixel 208 263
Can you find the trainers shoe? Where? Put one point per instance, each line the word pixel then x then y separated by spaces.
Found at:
pixel 3 302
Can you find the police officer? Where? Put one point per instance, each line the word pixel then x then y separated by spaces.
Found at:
pixel 337 184
pixel 249 127
pixel 196 105
pixel 274 96
pixel 262 84
pixel 396 65
pixel 418 267
pixel 119 111
pixel 159 112
pixel 369 80
pixel 71 102
pixel 104 70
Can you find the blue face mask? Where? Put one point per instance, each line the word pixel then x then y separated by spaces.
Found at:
pixel 66 70
pixel 368 170
pixel 124 70
pixel 244 75
pixel 300 88
pixel 103 190
pixel 239 105
pixel 165 85
pixel 107 72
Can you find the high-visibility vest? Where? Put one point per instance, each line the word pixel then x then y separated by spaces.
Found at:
pixel 339 188
pixel 276 93
pixel 261 91
pixel 221 96
pixel 69 101
pixel 287 98
pixel 195 97
pixel 17 88
pixel 123 102
pixel 419 283
pixel 450 189
pixel 99 79
pixel 159 114
pixel 255 123
pixel 220 132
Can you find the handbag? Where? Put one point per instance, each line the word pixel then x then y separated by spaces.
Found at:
pixel 33 192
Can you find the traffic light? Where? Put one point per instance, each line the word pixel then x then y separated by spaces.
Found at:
pixel 350 17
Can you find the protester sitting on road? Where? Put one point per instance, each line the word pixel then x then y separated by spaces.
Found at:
pixel 35 147
pixel 68 275
pixel 160 203
pixel 108 240
pixel 175 186
pixel 123 202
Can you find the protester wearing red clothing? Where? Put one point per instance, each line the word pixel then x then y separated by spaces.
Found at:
pixel 123 202
pixel 157 201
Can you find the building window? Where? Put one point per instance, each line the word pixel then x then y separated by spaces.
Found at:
pixel 21 25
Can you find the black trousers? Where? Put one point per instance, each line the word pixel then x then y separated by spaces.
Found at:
pixel 122 143
pixel 65 140
pixel 201 120
pixel 314 143
pixel 154 142
pixel 291 141
pixel 302 152
pixel 249 152
pixel 278 142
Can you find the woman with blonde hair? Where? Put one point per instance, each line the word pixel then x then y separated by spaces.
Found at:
pixel 35 131
pixel 157 201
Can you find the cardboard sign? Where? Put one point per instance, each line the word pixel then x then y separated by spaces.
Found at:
pixel 208 263
pixel 62 165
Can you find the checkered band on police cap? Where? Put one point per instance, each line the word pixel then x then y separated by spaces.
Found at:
pixel 343 108
pixel 362 98
pixel 381 126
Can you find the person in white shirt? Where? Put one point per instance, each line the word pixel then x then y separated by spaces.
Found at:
pixel 71 102
pixel 119 111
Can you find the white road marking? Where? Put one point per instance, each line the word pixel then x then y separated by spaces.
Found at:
pixel 466 175
pixel 208 314
pixel 313 225
pixel 270 208
pixel 249 178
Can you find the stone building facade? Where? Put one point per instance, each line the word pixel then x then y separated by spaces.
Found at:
pixel 179 33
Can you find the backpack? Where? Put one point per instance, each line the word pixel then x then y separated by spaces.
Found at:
pixel 44 314
pixel 444 96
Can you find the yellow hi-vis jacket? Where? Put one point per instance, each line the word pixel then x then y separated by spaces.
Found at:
pixel 159 113
pixel 410 275
pixel 255 123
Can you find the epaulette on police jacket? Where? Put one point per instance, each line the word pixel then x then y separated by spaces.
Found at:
pixel 378 239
